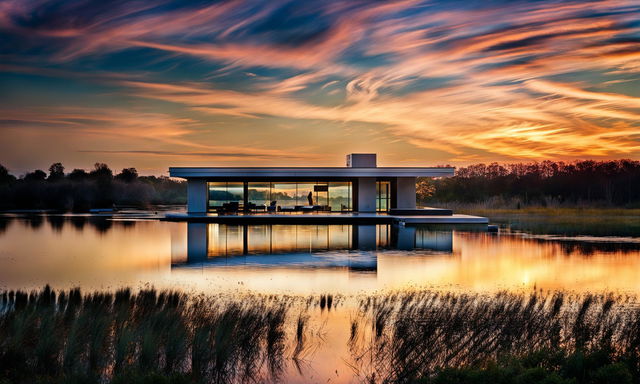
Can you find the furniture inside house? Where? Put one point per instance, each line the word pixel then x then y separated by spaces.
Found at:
pixel 230 207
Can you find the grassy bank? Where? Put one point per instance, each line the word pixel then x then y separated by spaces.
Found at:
pixel 404 337
pixel 617 222
pixel 508 207
pixel 578 211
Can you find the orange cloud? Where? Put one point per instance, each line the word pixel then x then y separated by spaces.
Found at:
pixel 519 80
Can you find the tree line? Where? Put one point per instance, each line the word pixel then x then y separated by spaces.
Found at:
pixel 606 183
pixel 80 191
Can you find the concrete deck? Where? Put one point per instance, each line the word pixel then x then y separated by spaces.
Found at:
pixel 325 218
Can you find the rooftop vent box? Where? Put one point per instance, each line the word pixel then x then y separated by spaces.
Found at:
pixel 361 160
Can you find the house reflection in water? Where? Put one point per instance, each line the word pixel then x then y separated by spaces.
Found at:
pixel 307 246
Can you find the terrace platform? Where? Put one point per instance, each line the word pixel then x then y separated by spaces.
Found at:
pixel 325 218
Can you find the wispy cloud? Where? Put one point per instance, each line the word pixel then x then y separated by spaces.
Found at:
pixel 213 155
pixel 498 79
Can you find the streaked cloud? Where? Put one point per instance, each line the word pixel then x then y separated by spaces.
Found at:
pixel 495 80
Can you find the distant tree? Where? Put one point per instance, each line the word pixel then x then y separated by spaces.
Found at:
pixel 128 175
pixel 101 171
pixel 78 175
pixel 56 172
pixel 37 175
pixel 83 190
pixel 5 176
pixel 103 177
pixel 601 182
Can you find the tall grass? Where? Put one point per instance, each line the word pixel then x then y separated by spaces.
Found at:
pixel 153 336
pixel 97 337
pixel 405 336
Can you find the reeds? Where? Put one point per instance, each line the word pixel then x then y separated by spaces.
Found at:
pixel 101 337
pixel 166 336
pixel 404 336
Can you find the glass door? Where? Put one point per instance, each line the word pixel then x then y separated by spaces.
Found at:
pixel 383 197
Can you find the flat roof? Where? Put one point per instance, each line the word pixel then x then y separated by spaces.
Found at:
pixel 309 172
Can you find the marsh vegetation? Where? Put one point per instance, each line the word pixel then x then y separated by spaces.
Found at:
pixel 68 336
pixel 402 337
pixel 601 222
pixel 505 337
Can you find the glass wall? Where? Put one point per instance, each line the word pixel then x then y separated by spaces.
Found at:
pixel 305 195
pixel 339 196
pixel 225 192
pixel 336 195
pixel 236 191
pixel 284 194
pixel 259 193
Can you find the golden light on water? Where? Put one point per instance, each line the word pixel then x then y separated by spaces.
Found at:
pixel 308 259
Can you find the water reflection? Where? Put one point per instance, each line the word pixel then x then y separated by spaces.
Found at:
pixel 102 252
pixel 308 246
pixel 58 222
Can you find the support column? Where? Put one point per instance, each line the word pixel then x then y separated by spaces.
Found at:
pixel 366 194
pixel 196 196
pixel 405 193
pixel 406 238
pixel 364 237
pixel 197 242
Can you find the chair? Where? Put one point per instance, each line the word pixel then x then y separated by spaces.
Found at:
pixel 272 207
pixel 232 206
pixel 249 207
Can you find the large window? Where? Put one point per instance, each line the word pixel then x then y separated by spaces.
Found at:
pixel 259 193
pixel 339 196
pixel 225 192
pixel 336 195
pixel 305 195
pixel 383 196
pixel 284 194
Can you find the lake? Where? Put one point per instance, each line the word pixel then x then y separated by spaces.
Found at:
pixel 106 253
pixel 347 262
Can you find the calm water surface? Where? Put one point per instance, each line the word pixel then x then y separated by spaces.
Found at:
pixel 104 253
pixel 344 260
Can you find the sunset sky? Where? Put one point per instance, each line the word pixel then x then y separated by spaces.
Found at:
pixel 154 83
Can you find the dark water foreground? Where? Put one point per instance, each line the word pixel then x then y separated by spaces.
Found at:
pixel 428 336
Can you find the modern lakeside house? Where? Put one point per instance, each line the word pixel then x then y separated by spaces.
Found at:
pixel 361 189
